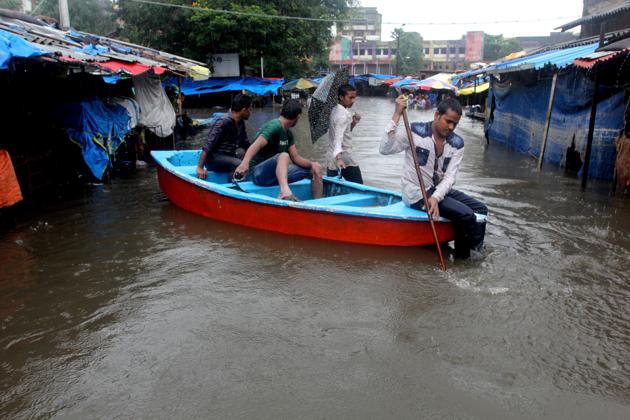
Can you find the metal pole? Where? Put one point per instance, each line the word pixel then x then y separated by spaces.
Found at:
pixel 64 15
pixel 548 120
pixel 262 67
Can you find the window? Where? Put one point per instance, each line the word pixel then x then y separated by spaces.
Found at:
pixel 462 50
pixel 355 51
pixel 393 51
pixel 426 50
pixel 362 52
pixel 452 50
pixel 442 50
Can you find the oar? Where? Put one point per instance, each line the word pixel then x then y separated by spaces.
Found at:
pixel 425 198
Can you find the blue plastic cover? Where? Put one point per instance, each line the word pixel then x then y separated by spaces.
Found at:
pixel 225 84
pixel 98 128
pixel 520 110
pixel 13 46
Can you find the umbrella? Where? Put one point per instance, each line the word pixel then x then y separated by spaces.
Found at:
pixel 433 84
pixel 299 84
pixel 324 99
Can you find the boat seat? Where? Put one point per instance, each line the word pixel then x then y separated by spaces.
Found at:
pixel 352 199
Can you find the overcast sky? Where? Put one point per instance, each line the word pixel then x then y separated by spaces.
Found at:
pixel 451 19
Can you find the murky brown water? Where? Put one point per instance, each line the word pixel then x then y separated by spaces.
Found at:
pixel 121 305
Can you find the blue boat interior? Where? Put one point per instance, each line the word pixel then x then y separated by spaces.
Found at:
pixel 336 192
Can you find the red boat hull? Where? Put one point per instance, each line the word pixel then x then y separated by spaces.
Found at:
pixel 298 221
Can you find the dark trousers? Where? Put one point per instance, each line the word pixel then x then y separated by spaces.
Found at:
pixel 349 173
pixel 222 163
pixel 460 209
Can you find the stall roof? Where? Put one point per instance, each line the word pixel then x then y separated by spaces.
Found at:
pixel 558 58
pixel 93 53
pixel 596 17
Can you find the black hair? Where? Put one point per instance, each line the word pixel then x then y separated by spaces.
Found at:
pixel 345 89
pixel 449 103
pixel 291 109
pixel 241 102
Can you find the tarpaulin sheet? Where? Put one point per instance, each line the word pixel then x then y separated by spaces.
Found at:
pixel 10 192
pixel 12 46
pixel 97 128
pixel 226 84
pixel 519 113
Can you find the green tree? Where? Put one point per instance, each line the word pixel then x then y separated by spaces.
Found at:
pixel 496 46
pixel 93 16
pixel 408 46
pixel 289 47
pixel 163 28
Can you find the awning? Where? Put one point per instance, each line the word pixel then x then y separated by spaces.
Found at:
pixel 470 90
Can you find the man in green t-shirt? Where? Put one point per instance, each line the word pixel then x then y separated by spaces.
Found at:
pixel 273 157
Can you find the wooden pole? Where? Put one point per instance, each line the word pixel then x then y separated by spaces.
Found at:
pixel 425 197
pixel 552 95
pixel 591 122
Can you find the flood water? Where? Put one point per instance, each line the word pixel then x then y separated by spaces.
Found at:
pixel 121 305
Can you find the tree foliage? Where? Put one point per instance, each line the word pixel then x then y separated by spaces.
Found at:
pixel 289 47
pixel 94 16
pixel 409 51
pixel 496 46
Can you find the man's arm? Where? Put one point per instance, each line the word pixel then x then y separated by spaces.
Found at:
pixel 338 125
pixel 249 155
pixel 211 143
pixel 450 176
pixel 391 142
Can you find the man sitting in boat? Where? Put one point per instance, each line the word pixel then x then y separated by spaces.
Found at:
pixel 225 138
pixel 273 158
pixel 439 153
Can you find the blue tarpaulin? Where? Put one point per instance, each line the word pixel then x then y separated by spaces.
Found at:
pixel 226 84
pixel 98 128
pixel 12 46
pixel 519 113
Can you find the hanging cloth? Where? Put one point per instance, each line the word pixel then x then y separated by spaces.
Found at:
pixel 156 112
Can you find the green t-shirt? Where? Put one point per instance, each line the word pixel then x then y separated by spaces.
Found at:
pixel 278 141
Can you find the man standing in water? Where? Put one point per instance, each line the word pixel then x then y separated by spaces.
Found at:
pixel 273 158
pixel 439 152
pixel 339 153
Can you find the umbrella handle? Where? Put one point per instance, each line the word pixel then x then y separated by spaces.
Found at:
pixel 339 173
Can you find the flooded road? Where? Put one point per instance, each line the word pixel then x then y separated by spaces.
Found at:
pixel 121 305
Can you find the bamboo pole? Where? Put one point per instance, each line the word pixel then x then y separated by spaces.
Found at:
pixel 552 95
pixel 425 197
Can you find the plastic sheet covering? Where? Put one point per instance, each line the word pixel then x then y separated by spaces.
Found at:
pixel 9 188
pixel 12 46
pixel 97 128
pixel 227 84
pixel 156 111
pixel 519 108
pixel 132 107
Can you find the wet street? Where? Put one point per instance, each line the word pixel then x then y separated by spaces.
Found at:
pixel 121 305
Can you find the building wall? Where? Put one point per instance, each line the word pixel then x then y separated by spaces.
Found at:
pixel 613 23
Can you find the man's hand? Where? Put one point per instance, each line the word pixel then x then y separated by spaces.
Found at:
pixel 316 169
pixel 241 170
pixel 401 104
pixel 433 208
pixel 356 118
pixel 340 163
pixel 201 172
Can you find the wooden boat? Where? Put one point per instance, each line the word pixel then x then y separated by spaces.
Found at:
pixel 347 212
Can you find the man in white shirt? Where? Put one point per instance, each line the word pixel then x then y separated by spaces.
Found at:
pixel 439 152
pixel 339 153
